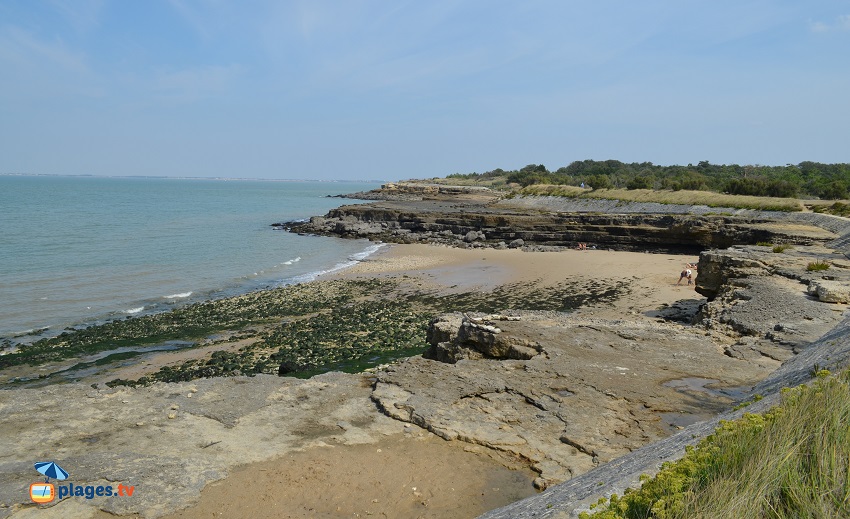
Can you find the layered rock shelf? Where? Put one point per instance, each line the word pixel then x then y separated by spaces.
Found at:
pixel 484 221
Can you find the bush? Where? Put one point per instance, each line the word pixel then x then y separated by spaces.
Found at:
pixel 817 266
pixel 792 461
pixel 782 247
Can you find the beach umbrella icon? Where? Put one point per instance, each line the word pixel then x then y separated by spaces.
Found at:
pixel 51 470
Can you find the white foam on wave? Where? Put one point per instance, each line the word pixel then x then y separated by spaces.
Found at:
pixel 181 295
pixel 135 310
pixel 290 262
pixel 354 259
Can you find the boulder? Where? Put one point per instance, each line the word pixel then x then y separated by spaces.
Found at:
pixel 472 236
pixel 453 338
pixel 830 291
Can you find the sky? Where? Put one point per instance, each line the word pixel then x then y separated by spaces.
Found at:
pixel 389 90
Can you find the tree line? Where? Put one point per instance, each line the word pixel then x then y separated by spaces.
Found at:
pixel 806 179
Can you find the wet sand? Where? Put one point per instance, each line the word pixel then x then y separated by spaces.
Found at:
pixel 652 277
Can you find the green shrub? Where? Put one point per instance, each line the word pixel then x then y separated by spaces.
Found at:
pixel 782 247
pixel 817 266
pixel 791 462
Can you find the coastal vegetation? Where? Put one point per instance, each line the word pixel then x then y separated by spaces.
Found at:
pixel 817 266
pixel 792 461
pixel 684 197
pixel 806 179
pixel 837 209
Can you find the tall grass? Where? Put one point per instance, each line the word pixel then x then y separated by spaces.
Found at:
pixel 683 197
pixel 791 462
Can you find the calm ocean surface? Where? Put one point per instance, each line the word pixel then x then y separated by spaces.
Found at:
pixel 77 250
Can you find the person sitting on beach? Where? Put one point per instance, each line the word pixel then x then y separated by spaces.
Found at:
pixel 686 274
pixel 691 266
pixel 582 246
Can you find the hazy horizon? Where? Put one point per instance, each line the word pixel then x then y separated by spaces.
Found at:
pixel 326 90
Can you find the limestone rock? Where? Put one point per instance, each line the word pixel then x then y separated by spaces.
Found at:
pixel 830 291
pixel 453 338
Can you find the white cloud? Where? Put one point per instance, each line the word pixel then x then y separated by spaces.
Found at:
pixel 840 23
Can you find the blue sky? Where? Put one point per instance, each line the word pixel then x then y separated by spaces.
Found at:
pixel 353 89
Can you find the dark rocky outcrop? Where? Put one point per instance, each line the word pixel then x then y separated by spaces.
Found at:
pixel 467 222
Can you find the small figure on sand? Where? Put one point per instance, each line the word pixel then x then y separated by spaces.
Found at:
pixel 686 274
pixel 582 246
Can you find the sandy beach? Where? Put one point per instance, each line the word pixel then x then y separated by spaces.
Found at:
pixel 416 474
pixel 652 278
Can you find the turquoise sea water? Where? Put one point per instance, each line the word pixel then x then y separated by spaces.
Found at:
pixel 78 250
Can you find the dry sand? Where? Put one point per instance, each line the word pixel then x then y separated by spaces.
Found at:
pixel 403 476
pixel 419 475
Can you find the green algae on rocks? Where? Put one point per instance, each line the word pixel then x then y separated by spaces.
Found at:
pixel 306 329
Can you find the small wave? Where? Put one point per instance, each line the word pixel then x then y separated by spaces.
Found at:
pixel 181 295
pixel 134 310
pixel 372 249
pixel 354 259
pixel 290 262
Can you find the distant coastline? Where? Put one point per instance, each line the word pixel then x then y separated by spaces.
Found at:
pixel 165 177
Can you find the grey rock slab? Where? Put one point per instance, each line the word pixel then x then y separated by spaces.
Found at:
pixel 595 391
pixel 170 440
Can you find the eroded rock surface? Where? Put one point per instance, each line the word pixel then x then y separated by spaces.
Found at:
pixel 594 389
pixel 170 440
pixel 763 303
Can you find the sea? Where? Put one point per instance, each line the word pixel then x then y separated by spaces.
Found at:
pixel 76 251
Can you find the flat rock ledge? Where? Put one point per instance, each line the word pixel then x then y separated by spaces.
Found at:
pixel 832 351
pixel 770 306
pixel 171 440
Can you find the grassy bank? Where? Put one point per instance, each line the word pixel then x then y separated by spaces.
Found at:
pixel 683 197
pixel 791 462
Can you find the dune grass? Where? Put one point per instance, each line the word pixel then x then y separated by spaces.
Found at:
pixel 791 462
pixel 817 266
pixel 683 197
pixel 830 207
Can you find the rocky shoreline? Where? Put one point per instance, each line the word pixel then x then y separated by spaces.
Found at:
pixel 588 400
pixel 480 219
